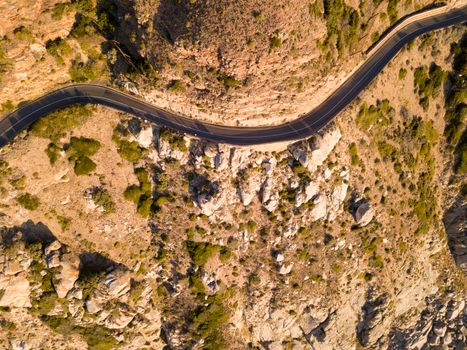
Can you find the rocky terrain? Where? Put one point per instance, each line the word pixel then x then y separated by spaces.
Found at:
pixel 249 62
pixel 117 234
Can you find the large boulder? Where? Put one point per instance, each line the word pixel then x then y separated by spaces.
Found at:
pixel 319 210
pixel 68 275
pixel 249 187
pixel 14 291
pixel 306 193
pixel 337 197
pixel 364 213
pixel 313 152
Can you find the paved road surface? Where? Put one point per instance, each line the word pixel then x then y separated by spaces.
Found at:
pixel 299 128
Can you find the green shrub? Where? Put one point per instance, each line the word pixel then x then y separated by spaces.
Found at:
pixel 57 124
pixel 18 183
pixel 342 22
pixel 379 115
pixel 461 164
pixel 386 150
pixel 225 254
pixel 428 83
pixel 79 152
pixel 354 154
pixel 144 206
pixel 64 222
pixel 8 105
pixel 176 141
pixel 102 198
pixel 59 10
pixel 23 34
pixel 200 252
pixel 456 107
pixel 83 27
pixel 53 152
pixel 143 178
pixel 5 62
pixel 45 303
pixel 97 337
pixel 84 166
pixel 176 86
pixel 7 325
pixel 392 11
pixel 141 195
pixel 402 73
pixel 28 201
pixel 375 37
pixel 82 146
pixel 58 48
pixel 132 193
pixel 129 150
pixel 208 320
pixel 228 81
pixel 81 72
pixel 274 42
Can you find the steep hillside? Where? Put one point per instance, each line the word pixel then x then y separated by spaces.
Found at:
pixel 254 62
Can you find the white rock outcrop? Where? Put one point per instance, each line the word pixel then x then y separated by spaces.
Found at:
pixel 313 152
pixel 364 214
pixel 15 291
pixel 308 192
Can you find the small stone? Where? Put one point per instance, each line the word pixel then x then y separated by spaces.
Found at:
pixel 284 270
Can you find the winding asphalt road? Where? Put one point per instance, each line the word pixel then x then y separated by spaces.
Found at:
pixel 299 128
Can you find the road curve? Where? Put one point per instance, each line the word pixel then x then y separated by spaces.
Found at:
pixel 299 128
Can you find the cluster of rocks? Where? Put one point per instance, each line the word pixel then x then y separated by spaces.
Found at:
pixel 441 324
pixel 112 298
pixel 258 175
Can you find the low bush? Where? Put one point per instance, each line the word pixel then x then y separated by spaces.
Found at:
pixel 80 151
pixel 58 48
pixel 402 73
pixel 380 115
pixel 23 34
pixel 200 252
pixel 53 152
pixel 175 140
pixel 176 86
pixel 81 72
pixel 28 201
pixel 57 124
pixel 428 83
pixel 102 198
pixel 354 154
pixel 129 150
pixel 208 319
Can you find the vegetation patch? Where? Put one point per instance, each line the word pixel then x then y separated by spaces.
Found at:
pixel 381 114
pixel 456 107
pixel 28 201
pixel 208 319
pixel 53 152
pixel 175 140
pixel 354 154
pixel 101 197
pixel 176 86
pixel 57 124
pixel 129 150
pixel 81 72
pixel 58 48
pixel 201 252
pixel 79 152
pixel 428 83
pixel 343 25
pixel 141 195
